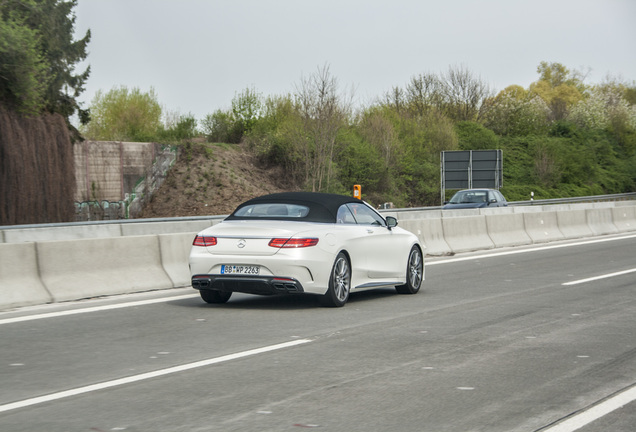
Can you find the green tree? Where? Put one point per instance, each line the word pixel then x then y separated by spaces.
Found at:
pixel 217 126
pixel 474 136
pixel 516 112
pixel 124 115
pixel 558 87
pixel 23 71
pixel 277 137
pixel 361 163
pixel 39 56
pixel 246 109
pixel 233 125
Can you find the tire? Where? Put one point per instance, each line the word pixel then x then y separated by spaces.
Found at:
pixel 210 296
pixel 339 283
pixel 414 272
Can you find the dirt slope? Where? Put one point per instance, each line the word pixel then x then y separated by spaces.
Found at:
pixel 212 179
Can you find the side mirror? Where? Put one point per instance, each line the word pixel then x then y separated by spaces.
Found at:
pixel 391 222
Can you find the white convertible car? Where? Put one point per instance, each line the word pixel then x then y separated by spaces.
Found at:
pixel 303 242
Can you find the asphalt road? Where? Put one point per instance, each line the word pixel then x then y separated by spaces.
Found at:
pixel 494 342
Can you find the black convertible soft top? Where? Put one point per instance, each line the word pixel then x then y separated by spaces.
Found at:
pixel 323 207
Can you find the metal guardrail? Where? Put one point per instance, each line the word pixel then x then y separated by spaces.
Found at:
pixel 573 200
pixel 596 198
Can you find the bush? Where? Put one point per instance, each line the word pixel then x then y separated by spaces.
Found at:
pixel 185 128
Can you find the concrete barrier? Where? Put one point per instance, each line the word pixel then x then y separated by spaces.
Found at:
pixel 603 204
pixel 57 233
pixel 573 224
pixel 430 233
pixel 507 230
pixel 600 221
pixel 528 209
pixel 624 218
pixel 175 250
pixel 542 226
pixel 20 284
pixel 116 262
pixel 465 234
pixel 496 210
pixel 412 214
pixel 450 213
pixel 171 227
pixel 77 231
pixel 72 270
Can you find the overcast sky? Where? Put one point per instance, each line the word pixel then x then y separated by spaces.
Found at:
pixel 197 54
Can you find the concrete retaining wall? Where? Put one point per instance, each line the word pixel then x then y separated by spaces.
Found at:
pixel 37 267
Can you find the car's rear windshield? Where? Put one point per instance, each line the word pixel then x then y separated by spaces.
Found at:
pixel 272 210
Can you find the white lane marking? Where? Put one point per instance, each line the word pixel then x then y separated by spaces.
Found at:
pixel 94 309
pixel 537 249
pixel 605 276
pixel 147 375
pixel 594 413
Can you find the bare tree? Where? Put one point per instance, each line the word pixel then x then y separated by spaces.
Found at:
pixel 463 94
pixel 379 131
pixel 395 99
pixel 324 113
pixel 423 93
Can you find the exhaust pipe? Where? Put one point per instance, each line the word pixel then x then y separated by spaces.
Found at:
pixel 201 283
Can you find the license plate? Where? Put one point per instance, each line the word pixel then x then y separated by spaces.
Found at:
pixel 240 269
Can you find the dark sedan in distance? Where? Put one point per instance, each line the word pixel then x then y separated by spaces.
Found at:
pixel 476 198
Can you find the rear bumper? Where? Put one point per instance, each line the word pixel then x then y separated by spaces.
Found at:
pixel 262 285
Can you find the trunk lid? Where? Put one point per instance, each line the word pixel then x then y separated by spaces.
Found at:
pixel 251 237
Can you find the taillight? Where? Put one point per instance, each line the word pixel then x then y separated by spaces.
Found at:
pixel 293 242
pixel 204 241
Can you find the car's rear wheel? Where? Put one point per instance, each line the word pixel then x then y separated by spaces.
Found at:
pixel 210 296
pixel 414 272
pixel 339 283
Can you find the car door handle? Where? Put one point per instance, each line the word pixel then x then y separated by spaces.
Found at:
pixel 369 231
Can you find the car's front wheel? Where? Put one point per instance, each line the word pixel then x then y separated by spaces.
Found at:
pixel 339 283
pixel 414 272
pixel 210 296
